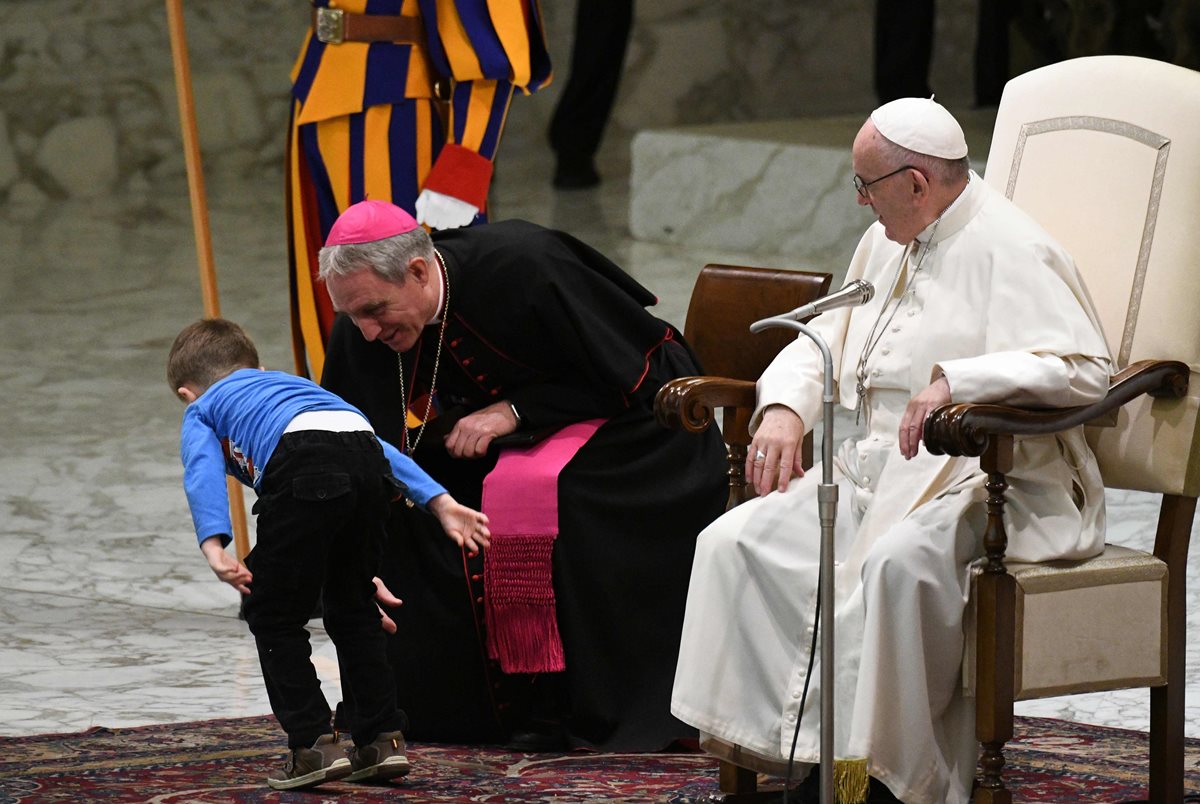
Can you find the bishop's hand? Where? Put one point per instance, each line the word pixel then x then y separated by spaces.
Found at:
pixel 473 433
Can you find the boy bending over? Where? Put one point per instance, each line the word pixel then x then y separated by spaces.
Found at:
pixel 324 482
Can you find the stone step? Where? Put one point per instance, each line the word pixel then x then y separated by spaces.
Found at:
pixel 771 187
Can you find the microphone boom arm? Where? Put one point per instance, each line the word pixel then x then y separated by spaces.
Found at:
pixel 827 497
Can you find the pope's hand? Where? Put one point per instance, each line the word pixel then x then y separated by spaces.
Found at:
pixel 775 454
pixel 912 425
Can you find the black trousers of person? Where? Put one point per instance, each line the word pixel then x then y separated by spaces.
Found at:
pixel 904 49
pixel 322 510
pixel 597 60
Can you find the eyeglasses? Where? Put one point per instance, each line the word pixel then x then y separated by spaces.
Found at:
pixel 862 186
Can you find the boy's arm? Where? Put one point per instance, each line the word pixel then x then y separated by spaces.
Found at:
pixel 227 568
pixel 204 480
pixel 421 487
pixel 465 526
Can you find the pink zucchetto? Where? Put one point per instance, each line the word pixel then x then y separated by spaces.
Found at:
pixel 368 221
pixel 921 125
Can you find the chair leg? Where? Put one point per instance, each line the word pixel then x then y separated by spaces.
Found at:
pixel 736 455
pixel 1166 744
pixel 736 779
pixel 995 611
pixel 1166 703
pixel 739 785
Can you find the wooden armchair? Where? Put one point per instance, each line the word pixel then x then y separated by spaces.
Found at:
pixel 725 301
pixel 1104 152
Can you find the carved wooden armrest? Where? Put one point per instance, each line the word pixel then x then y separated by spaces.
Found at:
pixel 965 428
pixel 690 403
pixel 987 431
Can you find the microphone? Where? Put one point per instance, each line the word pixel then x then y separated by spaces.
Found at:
pixel 854 294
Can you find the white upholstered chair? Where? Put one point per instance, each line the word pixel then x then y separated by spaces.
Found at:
pixel 1104 152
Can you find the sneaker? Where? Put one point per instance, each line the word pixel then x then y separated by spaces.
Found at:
pixel 308 767
pixel 382 759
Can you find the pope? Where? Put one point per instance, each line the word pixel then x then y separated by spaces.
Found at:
pixel 974 302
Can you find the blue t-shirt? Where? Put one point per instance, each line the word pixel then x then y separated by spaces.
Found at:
pixel 234 427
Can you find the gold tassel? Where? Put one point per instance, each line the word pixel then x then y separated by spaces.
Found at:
pixel 850 780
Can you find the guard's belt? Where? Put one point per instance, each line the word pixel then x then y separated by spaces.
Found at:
pixel 334 26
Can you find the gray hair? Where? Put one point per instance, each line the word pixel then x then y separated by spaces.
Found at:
pixel 946 171
pixel 388 257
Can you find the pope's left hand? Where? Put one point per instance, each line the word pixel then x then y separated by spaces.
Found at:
pixel 912 425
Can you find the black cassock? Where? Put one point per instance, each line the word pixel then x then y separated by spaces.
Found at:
pixel 541 320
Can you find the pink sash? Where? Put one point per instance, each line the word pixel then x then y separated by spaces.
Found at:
pixel 520 497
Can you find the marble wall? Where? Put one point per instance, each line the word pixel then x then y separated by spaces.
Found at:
pixel 88 107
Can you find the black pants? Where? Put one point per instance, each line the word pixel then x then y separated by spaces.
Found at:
pixel 597 60
pixel 322 508
pixel 903 48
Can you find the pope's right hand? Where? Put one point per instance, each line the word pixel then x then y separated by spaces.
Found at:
pixel 775 454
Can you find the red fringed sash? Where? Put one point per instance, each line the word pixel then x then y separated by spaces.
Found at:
pixel 520 497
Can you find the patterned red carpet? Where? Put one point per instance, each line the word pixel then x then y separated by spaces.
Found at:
pixel 227 761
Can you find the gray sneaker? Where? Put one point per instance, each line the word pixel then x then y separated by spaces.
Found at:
pixel 380 760
pixel 308 767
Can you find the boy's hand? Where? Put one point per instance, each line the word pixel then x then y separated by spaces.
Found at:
pixel 466 526
pixel 384 597
pixel 227 568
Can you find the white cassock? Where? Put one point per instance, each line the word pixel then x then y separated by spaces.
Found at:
pixel 994 303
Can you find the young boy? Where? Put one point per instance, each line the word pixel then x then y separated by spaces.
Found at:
pixel 324 483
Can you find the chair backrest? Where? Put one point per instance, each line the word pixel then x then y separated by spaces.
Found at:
pixel 1104 152
pixel 727 299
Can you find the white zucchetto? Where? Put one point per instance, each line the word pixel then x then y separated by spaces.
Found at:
pixel 922 125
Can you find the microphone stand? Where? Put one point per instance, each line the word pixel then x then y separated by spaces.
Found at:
pixel 827 497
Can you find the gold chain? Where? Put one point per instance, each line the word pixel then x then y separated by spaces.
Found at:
pixel 437 359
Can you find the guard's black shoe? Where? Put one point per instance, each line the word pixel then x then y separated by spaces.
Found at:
pixel 575 173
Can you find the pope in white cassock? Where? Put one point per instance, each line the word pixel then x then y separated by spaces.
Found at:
pixel 974 302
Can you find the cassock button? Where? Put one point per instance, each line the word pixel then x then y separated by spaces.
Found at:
pixel 480 377
pixel 479 600
pixel 796 694
pixel 896 328
pixel 468 361
pixel 455 342
pixel 911 313
pixel 885 351
pixel 476 577
pixel 495 392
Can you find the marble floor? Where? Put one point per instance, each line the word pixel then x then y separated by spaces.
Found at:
pixel 109 616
